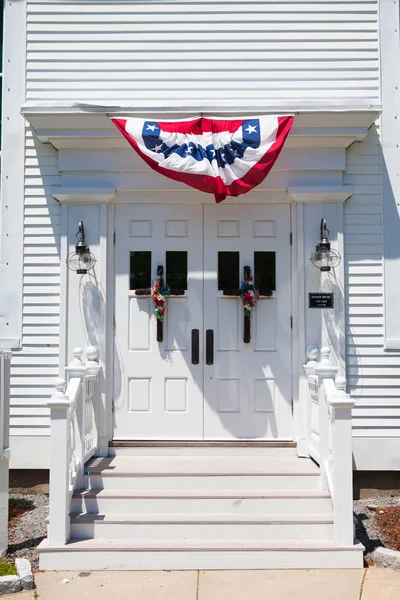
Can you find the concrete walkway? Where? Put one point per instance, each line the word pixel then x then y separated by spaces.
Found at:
pixel 371 584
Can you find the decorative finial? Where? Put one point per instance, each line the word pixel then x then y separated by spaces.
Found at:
pixel 92 353
pixel 60 386
pixel 77 352
pixel 340 383
pixel 325 354
pixel 312 352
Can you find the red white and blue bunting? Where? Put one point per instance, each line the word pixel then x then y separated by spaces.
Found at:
pixel 224 157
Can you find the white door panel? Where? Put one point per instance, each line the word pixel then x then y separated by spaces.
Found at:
pixel 161 395
pixel 248 388
pixel 246 392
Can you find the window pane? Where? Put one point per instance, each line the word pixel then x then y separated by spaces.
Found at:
pixel 176 275
pixel 140 275
pixel 264 271
pixel 228 271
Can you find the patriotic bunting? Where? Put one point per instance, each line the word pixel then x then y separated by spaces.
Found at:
pixel 224 157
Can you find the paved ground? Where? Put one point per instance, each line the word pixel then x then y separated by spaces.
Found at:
pixel 372 584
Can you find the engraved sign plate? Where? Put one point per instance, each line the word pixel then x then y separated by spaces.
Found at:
pixel 320 300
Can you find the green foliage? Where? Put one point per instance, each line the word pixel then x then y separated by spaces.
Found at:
pixel 7 568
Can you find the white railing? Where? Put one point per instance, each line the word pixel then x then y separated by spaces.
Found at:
pixel 75 426
pixel 329 438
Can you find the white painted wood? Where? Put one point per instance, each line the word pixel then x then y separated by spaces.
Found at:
pixel 181 555
pixel 196 40
pixel 201 502
pixel 12 176
pixel 248 388
pixel 281 527
pixel 158 392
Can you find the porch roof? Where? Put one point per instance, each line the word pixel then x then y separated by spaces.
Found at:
pixel 84 126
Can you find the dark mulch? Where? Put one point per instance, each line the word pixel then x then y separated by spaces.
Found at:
pixel 388 525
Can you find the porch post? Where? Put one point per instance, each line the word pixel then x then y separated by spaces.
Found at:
pixel 342 464
pixel 59 521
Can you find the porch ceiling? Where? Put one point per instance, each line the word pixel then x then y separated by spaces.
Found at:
pixel 86 127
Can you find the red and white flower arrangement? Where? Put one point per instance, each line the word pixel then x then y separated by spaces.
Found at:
pixel 159 294
pixel 249 295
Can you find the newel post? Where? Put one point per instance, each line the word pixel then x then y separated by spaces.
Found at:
pixel 342 464
pixel 93 368
pixel 77 370
pixel 303 444
pixel 59 522
pixel 325 370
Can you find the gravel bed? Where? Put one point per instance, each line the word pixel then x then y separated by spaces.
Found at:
pixel 25 535
pixel 366 528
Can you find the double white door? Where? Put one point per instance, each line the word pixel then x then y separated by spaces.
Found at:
pixel 203 381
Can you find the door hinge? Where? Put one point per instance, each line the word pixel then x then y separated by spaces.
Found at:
pixel 113 405
pixel 291 322
pixel 291 238
pixel 113 321
pixel 114 238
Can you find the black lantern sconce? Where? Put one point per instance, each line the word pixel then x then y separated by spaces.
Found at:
pixel 82 260
pixel 324 258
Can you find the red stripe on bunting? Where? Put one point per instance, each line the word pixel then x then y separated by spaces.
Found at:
pixel 201 125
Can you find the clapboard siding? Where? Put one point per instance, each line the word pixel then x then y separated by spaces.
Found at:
pixel 34 369
pixel 373 375
pixel 176 53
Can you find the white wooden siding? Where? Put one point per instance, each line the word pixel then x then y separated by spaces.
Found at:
pixel 34 369
pixel 373 375
pixel 202 53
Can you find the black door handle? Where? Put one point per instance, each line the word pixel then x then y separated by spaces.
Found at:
pixel 195 347
pixel 209 347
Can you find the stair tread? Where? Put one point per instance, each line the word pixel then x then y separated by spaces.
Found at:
pixel 201 465
pixel 179 493
pixel 195 518
pixel 99 544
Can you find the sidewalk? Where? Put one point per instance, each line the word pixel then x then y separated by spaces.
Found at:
pixel 371 584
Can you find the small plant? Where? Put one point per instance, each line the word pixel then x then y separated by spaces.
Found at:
pixel 7 568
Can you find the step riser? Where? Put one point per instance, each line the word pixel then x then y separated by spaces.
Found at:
pixel 201 482
pixel 202 451
pixel 202 505
pixel 129 531
pixel 210 560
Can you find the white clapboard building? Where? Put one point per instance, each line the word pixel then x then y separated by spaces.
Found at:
pixel 207 440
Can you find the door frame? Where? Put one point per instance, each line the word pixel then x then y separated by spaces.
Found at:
pixel 298 333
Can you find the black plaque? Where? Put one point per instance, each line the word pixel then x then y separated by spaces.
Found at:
pixel 320 300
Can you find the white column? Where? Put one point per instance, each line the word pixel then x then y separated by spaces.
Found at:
pixel 59 521
pixel 342 476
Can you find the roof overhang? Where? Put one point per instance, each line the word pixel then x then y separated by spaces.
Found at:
pixel 70 126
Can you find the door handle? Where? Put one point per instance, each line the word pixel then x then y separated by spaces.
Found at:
pixel 195 346
pixel 209 347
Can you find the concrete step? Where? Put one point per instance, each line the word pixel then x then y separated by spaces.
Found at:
pixel 195 526
pixel 201 501
pixel 182 554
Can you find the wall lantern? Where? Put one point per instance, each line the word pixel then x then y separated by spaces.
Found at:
pixel 324 258
pixel 82 260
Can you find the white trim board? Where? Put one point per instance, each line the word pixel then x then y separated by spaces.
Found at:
pixel 12 174
pixel 83 195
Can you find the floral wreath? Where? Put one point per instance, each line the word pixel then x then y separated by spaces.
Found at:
pixel 159 293
pixel 249 294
